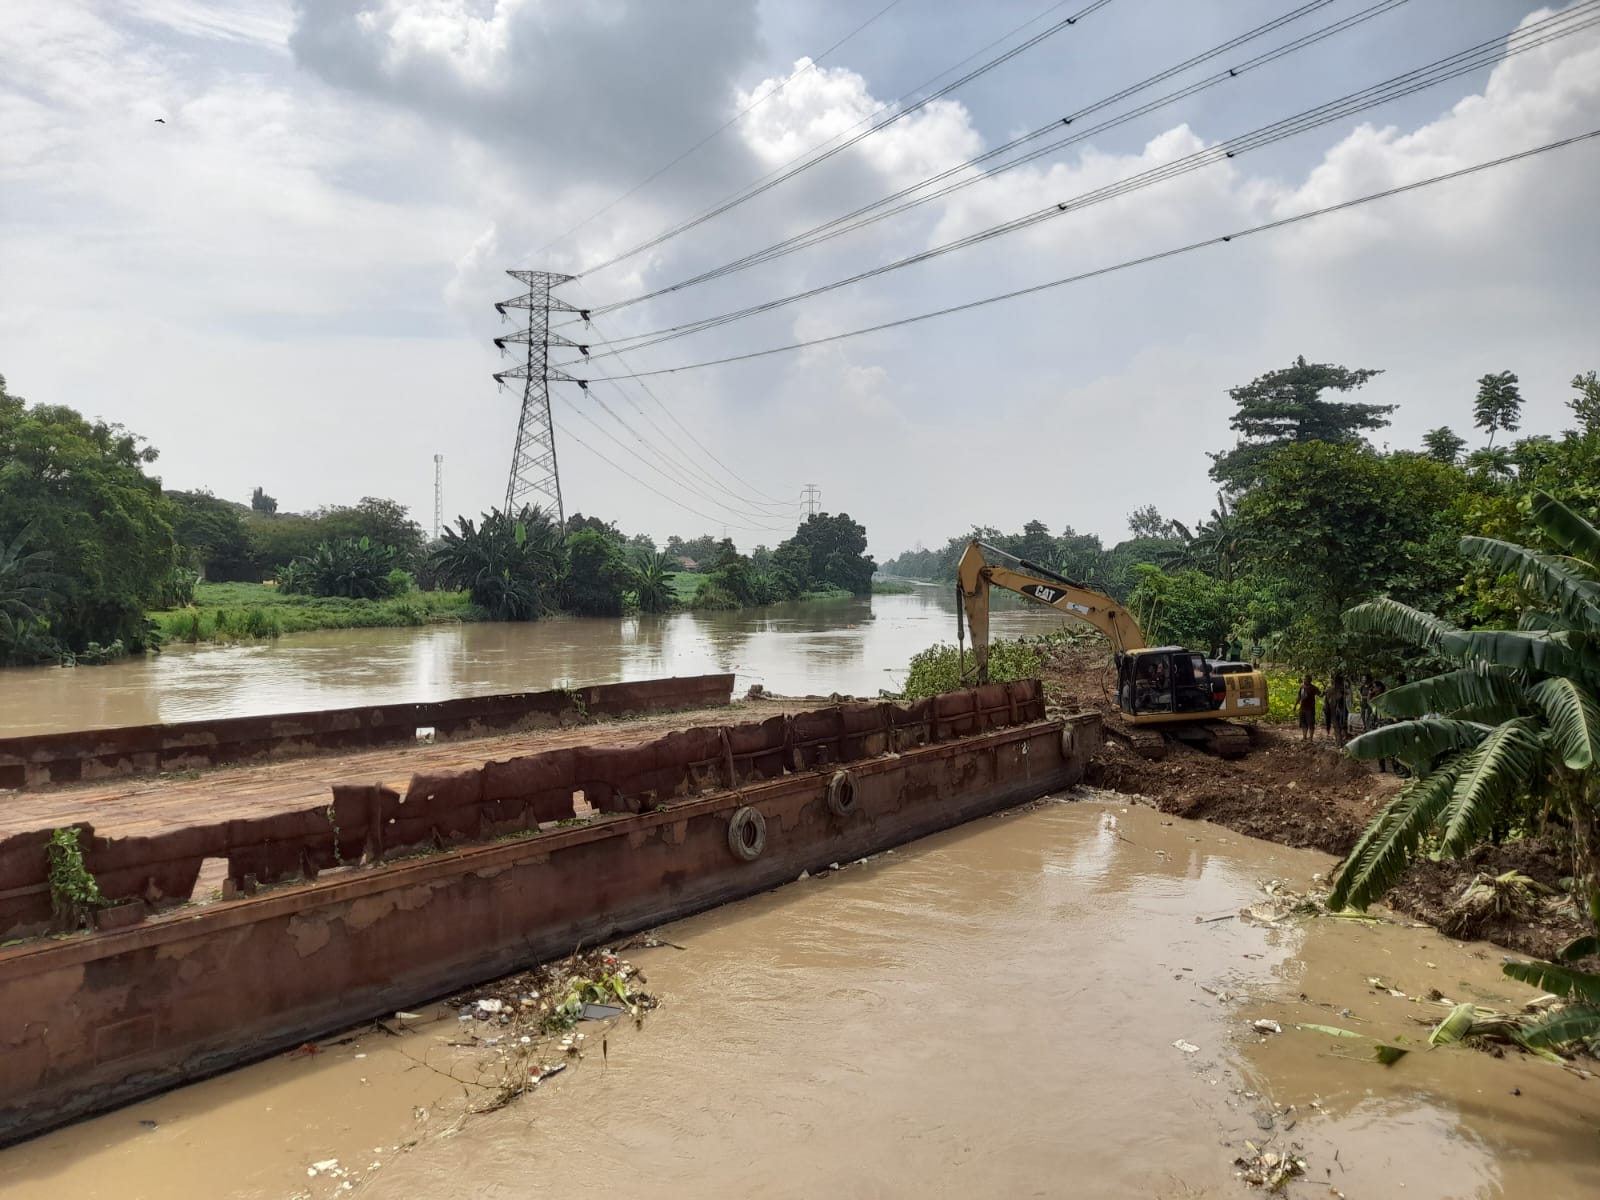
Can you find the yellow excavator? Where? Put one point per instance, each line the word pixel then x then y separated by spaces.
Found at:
pixel 1162 691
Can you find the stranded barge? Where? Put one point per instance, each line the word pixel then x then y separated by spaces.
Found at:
pixel 372 899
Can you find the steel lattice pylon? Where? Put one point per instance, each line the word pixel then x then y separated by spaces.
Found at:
pixel 535 478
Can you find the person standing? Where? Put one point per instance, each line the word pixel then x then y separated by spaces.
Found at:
pixel 1306 702
pixel 1235 650
pixel 1371 688
pixel 1336 708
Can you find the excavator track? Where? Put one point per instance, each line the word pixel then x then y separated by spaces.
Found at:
pixel 1146 743
pixel 1221 738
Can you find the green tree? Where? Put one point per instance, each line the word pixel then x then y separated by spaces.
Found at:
pixel 1499 404
pixel 1285 407
pixel 212 538
pixel 1189 608
pixel 1518 730
pixel 383 522
pixel 262 503
pixel 652 582
pixel 828 551
pixel 1147 522
pixel 1340 523
pixel 82 488
pixel 1443 444
pixel 577 522
pixel 1216 546
pixel 702 551
pixel 596 574
pixel 1586 404
pixel 27 589
pixel 510 564
pixel 356 568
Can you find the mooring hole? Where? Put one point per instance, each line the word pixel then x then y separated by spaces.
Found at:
pixel 208 884
pixel 424 733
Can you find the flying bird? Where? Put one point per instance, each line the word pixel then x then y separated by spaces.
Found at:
pixel 161 120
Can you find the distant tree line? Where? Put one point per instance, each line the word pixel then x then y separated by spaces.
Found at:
pixel 90 544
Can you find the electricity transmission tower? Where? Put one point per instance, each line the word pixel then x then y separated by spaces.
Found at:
pixel 811 497
pixel 438 494
pixel 535 478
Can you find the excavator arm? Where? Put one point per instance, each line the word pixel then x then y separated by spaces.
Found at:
pixel 983 565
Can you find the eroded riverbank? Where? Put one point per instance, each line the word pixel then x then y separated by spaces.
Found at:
pixel 990 1011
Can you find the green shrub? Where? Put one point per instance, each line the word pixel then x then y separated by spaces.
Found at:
pixel 937 668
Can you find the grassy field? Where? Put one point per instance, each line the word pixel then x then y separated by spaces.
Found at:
pixel 686 584
pixel 230 612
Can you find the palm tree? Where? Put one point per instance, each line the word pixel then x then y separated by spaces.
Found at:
pixel 1215 546
pixel 27 586
pixel 1513 731
pixel 652 582
pixel 511 565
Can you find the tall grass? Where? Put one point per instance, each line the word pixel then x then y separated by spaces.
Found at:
pixel 235 612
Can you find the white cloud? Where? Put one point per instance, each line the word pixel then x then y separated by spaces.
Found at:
pixel 291 282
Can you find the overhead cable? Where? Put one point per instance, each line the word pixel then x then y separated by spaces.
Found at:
pixel 686 485
pixel 811 65
pixel 772 181
pixel 621 470
pixel 1393 89
pixel 1144 260
pixel 859 218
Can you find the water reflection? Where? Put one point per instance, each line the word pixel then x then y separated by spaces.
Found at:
pixel 815 648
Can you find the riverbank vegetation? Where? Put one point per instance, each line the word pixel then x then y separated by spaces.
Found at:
pixel 231 612
pixel 98 561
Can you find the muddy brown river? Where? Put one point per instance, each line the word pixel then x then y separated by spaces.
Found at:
pixel 1055 1002
pixel 815 648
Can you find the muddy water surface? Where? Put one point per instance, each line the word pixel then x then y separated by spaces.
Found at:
pixel 988 1012
pixel 853 646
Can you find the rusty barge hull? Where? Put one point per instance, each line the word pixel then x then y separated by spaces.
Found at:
pixel 94 1022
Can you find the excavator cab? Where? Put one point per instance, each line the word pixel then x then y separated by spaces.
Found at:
pixel 1166 679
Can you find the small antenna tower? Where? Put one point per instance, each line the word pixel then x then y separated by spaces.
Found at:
pixel 438 495
pixel 811 497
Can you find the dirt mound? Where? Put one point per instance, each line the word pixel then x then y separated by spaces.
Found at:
pixel 1284 793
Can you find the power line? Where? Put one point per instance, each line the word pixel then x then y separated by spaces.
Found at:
pixel 767 497
pixel 850 222
pixel 1398 87
pixel 567 433
pixel 773 181
pixel 670 478
pixel 733 120
pixel 1174 252
pixel 688 460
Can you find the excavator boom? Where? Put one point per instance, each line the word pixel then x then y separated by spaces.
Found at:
pixel 983 565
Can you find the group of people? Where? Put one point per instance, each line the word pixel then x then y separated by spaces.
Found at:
pixel 1336 700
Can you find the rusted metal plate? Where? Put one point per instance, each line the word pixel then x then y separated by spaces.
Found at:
pixel 93 1022
pixel 144 749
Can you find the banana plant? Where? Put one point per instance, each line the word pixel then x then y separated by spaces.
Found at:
pixel 1512 731
pixel 1514 728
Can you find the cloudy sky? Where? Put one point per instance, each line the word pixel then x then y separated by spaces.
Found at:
pixel 290 282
